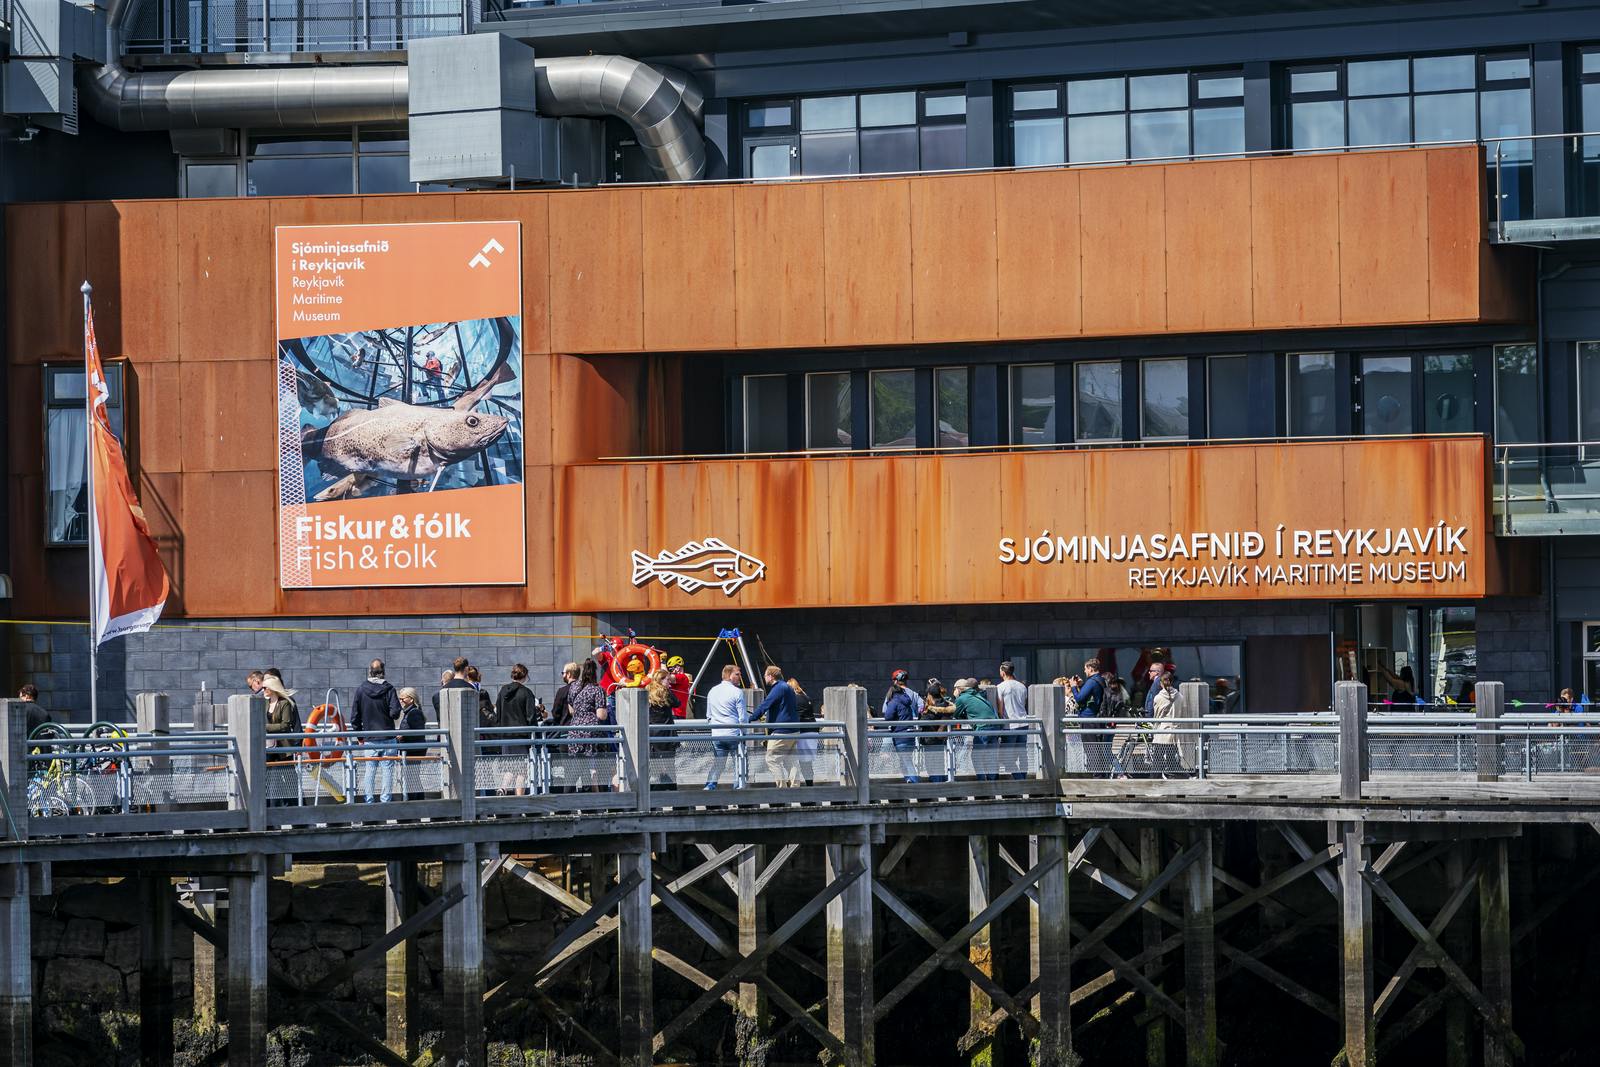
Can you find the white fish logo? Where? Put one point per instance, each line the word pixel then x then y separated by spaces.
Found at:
pixel 699 564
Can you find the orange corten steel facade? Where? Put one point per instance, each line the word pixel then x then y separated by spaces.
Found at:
pixel 617 281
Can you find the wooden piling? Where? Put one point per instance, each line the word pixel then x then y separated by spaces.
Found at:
pixel 1055 955
pixel 155 970
pixel 1200 953
pixel 1494 948
pixel 463 960
pixel 635 939
pixel 1355 925
pixel 247 966
pixel 850 949
pixel 400 971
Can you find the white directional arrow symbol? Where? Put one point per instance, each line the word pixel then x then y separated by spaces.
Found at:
pixel 482 259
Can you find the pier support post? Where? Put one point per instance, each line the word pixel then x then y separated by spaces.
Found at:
pixel 1055 955
pixel 850 949
pixel 635 939
pixel 1455 940
pixel 1491 698
pixel 16 918
pixel 980 952
pixel 207 1000
pixel 1155 1031
pixel 1350 706
pixel 1355 922
pixel 400 962
pixel 458 716
pixel 848 704
pixel 753 913
pixel 1494 919
pixel 1200 953
pixel 247 964
pixel 155 970
pixel 247 726
pixel 463 957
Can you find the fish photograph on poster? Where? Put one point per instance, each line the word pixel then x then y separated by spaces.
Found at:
pixel 409 409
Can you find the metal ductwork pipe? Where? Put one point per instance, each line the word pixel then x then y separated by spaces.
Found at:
pixel 663 106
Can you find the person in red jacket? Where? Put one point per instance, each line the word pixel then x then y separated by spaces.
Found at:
pixel 679 681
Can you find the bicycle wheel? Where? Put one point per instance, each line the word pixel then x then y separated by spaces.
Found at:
pixel 43 801
pixel 75 794
pixel 48 731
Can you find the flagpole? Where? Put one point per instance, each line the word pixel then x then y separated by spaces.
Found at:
pixel 94 533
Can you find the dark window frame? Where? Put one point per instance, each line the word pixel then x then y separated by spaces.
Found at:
pixel 1195 104
pixel 117 401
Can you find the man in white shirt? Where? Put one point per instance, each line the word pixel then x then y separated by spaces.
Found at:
pixel 727 711
pixel 1012 697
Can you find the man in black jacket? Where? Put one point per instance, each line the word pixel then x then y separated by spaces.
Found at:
pixel 376 707
pixel 560 713
pixel 458 680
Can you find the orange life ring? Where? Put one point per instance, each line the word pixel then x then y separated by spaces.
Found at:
pixel 622 656
pixel 327 717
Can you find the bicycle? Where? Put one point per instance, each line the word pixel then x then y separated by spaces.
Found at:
pixel 55 788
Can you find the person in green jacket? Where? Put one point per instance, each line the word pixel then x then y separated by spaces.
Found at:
pixel 973 707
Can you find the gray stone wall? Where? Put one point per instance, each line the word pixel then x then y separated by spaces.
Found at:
pixel 820 646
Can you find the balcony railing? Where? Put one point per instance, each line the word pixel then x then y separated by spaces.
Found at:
pixel 1512 161
pixel 171 27
pixel 1547 488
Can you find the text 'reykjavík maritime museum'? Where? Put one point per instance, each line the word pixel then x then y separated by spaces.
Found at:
pixel 1231 372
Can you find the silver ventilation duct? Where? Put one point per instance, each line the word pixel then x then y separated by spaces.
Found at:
pixel 663 106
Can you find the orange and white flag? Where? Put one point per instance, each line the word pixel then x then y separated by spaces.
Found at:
pixel 128 583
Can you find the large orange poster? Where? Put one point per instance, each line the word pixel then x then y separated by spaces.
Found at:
pixel 400 404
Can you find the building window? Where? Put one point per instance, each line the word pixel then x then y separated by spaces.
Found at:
pixel 1449 396
pixel 1386 395
pixel 1365 103
pixel 766 413
pixel 1516 394
pixel 867 133
pixel 1164 399
pixel 828 424
pixel 894 409
pixel 66 450
pixel 1588 192
pixel 1145 116
pixel 1588 391
pixel 1097 410
pixel 1033 404
pixel 952 398
pixel 1313 395
pixel 323 162
pixel 1227 397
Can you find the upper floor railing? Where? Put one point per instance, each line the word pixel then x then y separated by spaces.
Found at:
pixel 1546 488
pixel 177 27
pixel 243 778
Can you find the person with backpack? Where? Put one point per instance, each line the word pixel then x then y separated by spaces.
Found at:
pixel 900 707
pixel 515 705
pixel 1089 691
pixel 972 707
pixel 376 707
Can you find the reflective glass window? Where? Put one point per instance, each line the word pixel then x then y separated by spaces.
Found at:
pixel 884 151
pixel 1034 99
pixel 1038 142
pixel 1159 134
pixel 1314 81
pixel 1164 399
pixel 1219 87
pixel 828 420
pixel 767 116
pixel 1448 395
pixel 297 144
pixel 1380 120
pixel 385 174
pixel 828 113
pixel 1378 77
pixel 894 409
pixel 1447 117
pixel 1094 95
pixel 828 153
pixel 1516 394
pixel 1386 395
pixel 1218 131
pixel 211 179
pixel 770 161
pixel 889 109
pixel 1313 394
pixel 1227 397
pixel 944 105
pixel 1033 404
pixel 1589 391
pixel 303 176
pixel 66 449
pixel 766 413
pixel 1437 73
pixel 1096 138
pixel 944 147
pixel 1317 124
pixel 952 402
pixel 1158 91
pixel 1506 68
pixel 1098 400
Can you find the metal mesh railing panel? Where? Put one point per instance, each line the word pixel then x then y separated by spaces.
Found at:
pixel 966 754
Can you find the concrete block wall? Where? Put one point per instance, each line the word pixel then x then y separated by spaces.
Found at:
pixel 821 647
